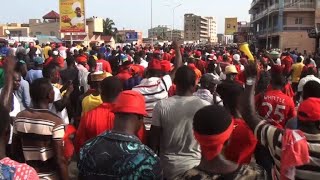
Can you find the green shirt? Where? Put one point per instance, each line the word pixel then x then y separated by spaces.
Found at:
pixel 1 77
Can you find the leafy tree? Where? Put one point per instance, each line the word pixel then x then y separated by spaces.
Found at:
pixel 108 27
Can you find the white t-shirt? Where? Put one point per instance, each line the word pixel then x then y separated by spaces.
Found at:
pixel 16 106
pixel 15 111
pixel 63 114
pixel 144 63
pixel 83 77
pixel 306 79
pixel 179 151
pixel 153 89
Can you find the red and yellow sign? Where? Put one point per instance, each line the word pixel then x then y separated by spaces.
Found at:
pixel 72 16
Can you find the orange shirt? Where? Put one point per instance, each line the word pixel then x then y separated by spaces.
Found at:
pixel 196 70
pixel 94 123
pixel 60 61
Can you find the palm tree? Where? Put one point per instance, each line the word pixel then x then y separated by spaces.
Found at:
pixel 108 28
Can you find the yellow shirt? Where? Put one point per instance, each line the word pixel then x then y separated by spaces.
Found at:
pixel 90 102
pixel 45 51
pixel 296 72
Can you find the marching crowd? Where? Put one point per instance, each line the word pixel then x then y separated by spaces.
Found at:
pixel 171 112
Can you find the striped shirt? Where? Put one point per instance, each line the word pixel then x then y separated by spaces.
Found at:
pixel 153 89
pixel 271 137
pixel 38 129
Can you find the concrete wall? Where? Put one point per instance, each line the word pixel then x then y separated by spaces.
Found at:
pixel 51 29
pixel 297 39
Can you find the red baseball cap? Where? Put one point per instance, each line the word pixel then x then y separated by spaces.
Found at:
pixel 198 53
pixel 309 110
pixel 131 102
pixel 155 65
pixel 166 66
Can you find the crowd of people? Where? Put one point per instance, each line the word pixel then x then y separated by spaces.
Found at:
pixel 171 111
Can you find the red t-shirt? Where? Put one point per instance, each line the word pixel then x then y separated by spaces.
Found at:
pixel 94 123
pixel 242 143
pixel 275 106
pixel 201 65
pixel 167 56
pixel 105 65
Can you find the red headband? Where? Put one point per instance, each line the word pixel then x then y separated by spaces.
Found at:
pixel 211 145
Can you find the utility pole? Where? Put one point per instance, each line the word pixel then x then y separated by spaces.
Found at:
pixel 173 10
pixel 268 16
pixel 151 24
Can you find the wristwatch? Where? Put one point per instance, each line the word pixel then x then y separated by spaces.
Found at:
pixel 250 81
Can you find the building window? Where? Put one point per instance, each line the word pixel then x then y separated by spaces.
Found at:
pixel 52 33
pixel 298 21
pixel 38 33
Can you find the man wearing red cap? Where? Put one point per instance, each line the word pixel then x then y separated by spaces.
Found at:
pixel 119 154
pixel 156 86
pixel 295 152
pixel 212 137
pixel 200 64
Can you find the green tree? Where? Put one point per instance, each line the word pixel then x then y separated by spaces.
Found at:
pixel 108 27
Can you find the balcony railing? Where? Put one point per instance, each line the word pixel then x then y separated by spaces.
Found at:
pixel 307 6
pixel 301 5
pixel 297 27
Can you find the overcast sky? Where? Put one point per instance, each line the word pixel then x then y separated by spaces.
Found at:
pixel 132 14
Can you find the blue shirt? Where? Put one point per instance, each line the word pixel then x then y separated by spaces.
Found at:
pixel 23 94
pixel 33 75
pixel 4 51
pixel 113 155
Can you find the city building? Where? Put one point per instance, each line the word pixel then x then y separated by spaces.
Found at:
pixel 199 28
pixel 15 29
pixel 212 27
pixel 48 26
pixel 220 38
pixel 244 32
pixel 284 23
pixel 174 35
pixel 159 32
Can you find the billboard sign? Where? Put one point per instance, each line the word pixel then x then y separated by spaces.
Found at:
pixel 231 26
pixel 131 36
pixel 72 16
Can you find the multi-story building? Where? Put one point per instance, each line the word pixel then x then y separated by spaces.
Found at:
pixel 220 38
pixel 284 23
pixel 15 29
pixel 158 32
pixel 212 27
pixel 199 28
pixel 174 35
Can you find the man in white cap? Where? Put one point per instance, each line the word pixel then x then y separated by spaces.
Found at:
pixel 236 62
pixel 46 50
pixel 79 19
